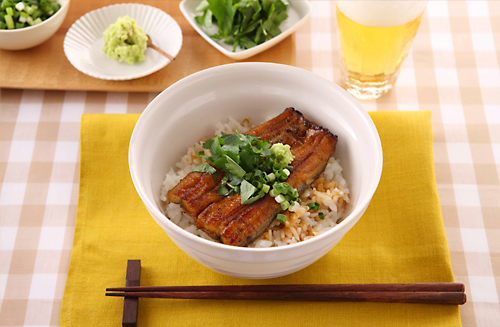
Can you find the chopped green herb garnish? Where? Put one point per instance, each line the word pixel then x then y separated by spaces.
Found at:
pixel 321 215
pixel 223 190
pixel 205 168
pixel 314 206
pixel 233 168
pixel 250 167
pixel 247 190
pixel 281 218
pixel 243 23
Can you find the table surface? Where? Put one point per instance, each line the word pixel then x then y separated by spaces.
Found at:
pixel 54 72
pixel 452 70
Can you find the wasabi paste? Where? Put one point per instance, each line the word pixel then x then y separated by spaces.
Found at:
pixel 125 41
pixel 282 154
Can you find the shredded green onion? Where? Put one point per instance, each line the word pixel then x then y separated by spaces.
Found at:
pixel 265 188
pixel 25 13
pixel 9 22
pixel 314 206
pixel 281 218
pixel 280 198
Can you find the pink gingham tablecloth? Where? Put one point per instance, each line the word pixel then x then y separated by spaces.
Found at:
pixel 452 70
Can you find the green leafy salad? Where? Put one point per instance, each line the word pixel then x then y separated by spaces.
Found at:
pixel 19 14
pixel 252 167
pixel 244 23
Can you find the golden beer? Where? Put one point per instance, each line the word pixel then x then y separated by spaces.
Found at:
pixel 372 55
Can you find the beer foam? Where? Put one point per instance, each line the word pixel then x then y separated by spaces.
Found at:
pixel 381 13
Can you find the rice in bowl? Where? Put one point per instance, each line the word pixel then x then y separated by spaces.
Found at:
pixel 329 190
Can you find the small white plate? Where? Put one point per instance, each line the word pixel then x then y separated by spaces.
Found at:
pixel 84 41
pixel 298 11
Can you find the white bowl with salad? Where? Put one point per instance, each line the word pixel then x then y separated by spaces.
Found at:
pixel 25 24
pixel 254 26
pixel 188 111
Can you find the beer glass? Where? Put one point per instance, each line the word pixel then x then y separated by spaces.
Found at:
pixel 375 37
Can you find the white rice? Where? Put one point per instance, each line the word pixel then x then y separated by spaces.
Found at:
pixel 329 190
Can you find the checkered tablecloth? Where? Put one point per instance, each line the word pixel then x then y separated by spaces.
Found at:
pixel 452 70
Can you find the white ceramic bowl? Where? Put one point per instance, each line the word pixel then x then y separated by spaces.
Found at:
pixel 188 110
pixel 298 12
pixel 29 37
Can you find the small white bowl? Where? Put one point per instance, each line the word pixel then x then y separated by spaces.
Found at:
pixel 298 12
pixel 188 110
pixel 84 41
pixel 29 37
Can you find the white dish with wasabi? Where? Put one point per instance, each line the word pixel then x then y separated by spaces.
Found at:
pixel 84 43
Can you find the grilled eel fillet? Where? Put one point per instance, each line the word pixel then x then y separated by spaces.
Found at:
pixel 197 190
pixel 236 224
pixel 233 223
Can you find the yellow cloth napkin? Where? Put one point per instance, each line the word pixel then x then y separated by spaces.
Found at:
pixel 399 239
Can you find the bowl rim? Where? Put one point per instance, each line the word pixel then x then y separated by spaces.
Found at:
pixel 355 214
pixel 17 30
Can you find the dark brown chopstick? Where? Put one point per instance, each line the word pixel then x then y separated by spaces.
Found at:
pixel 394 297
pixel 432 293
pixel 397 287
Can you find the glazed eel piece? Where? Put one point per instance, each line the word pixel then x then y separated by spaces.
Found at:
pixel 198 190
pixel 233 223
pixel 214 219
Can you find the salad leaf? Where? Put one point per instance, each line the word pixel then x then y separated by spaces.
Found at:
pixel 223 11
pixel 243 23
pixel 202 6
pixel 206 18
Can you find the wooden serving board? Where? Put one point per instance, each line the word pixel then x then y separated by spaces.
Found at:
pixel 46 67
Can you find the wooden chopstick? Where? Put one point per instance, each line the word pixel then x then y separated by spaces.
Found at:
pixel 397 287
pixel 433 293
pixel 394 297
